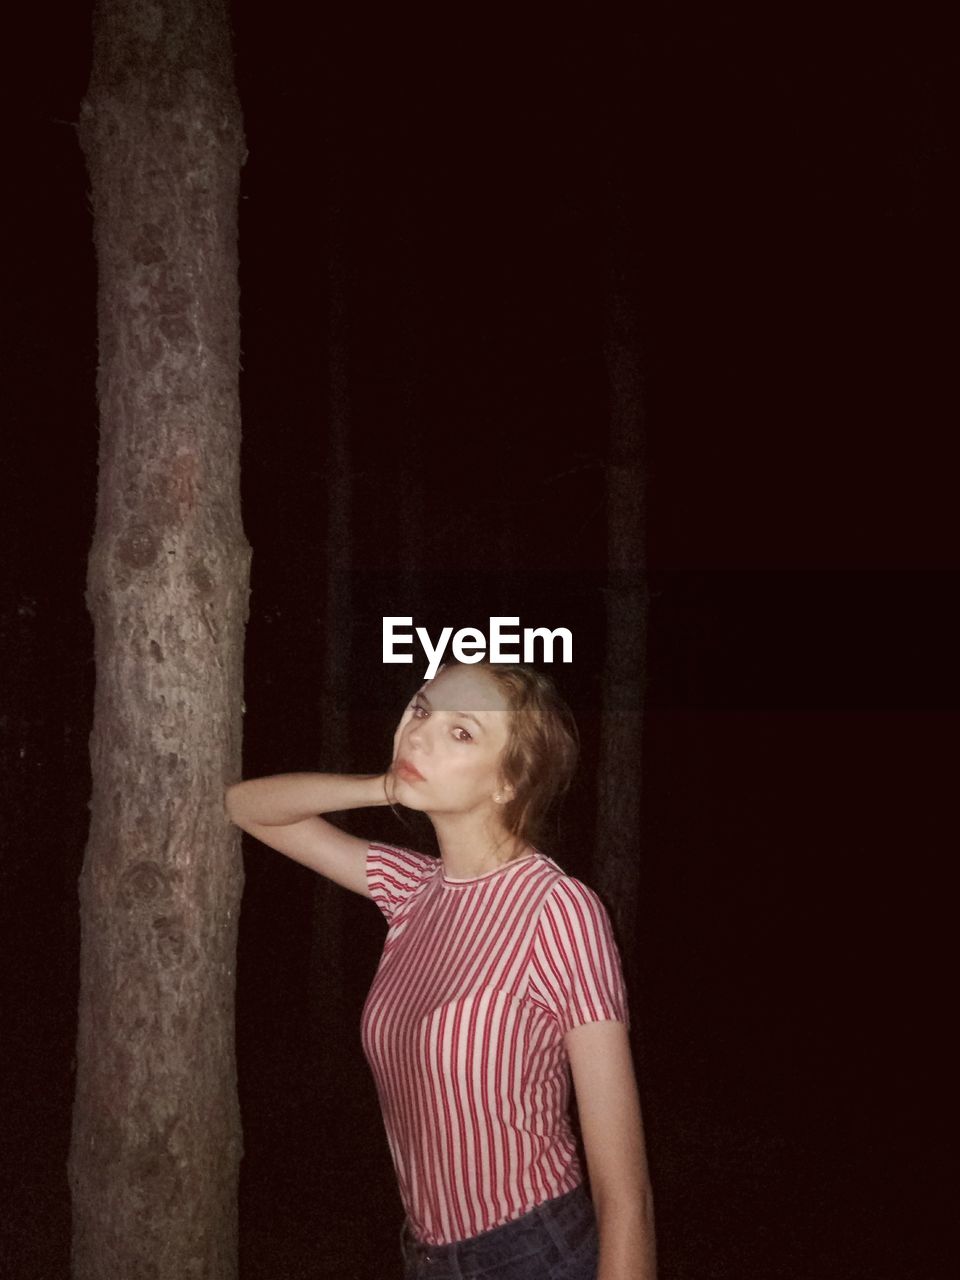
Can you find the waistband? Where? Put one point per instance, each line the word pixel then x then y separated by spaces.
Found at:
pixel 566 1219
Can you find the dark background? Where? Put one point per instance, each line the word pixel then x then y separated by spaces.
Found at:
pixel 786 182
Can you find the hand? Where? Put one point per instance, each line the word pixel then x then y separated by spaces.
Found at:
pixel 388 782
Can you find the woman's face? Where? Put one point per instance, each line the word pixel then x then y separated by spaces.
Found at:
pixel 449 743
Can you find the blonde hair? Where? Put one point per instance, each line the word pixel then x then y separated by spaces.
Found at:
pixel 543 746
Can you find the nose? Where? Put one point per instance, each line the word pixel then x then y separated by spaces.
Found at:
pixel 416 737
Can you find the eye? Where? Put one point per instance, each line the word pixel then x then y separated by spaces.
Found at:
pixel 417 708
pixel 469 736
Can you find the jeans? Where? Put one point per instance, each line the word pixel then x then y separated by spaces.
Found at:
pixel 556 1240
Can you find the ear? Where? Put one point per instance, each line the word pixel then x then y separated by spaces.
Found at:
pixel 503 793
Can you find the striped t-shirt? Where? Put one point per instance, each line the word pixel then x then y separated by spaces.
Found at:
pixel 463 1028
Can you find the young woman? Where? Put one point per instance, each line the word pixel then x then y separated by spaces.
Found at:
pixel 499 979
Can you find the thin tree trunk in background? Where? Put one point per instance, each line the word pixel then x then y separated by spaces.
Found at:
pixel 624 679
pixel 328 973
pixel 156 1142
pixel 411 494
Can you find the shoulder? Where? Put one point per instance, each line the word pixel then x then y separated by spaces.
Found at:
pixel 394 874
pixel 564 897
pixel 400 860
pixel 572 903
pixel 576 972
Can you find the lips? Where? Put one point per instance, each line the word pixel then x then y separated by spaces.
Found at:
pixel 405 768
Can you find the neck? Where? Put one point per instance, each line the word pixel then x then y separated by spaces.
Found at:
pixel 470 848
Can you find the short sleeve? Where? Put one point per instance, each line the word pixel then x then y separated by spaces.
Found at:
pixel 393 874
pixel 575 968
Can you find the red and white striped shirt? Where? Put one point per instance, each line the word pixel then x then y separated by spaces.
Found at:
pixel 463 1028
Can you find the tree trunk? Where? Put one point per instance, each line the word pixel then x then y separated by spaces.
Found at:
pixel 156 1142
pixel 619 784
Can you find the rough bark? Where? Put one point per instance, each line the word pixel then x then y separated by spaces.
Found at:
pixel 619 783
pixel 156 1142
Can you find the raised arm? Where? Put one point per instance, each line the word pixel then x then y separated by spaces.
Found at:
pixel 282 810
